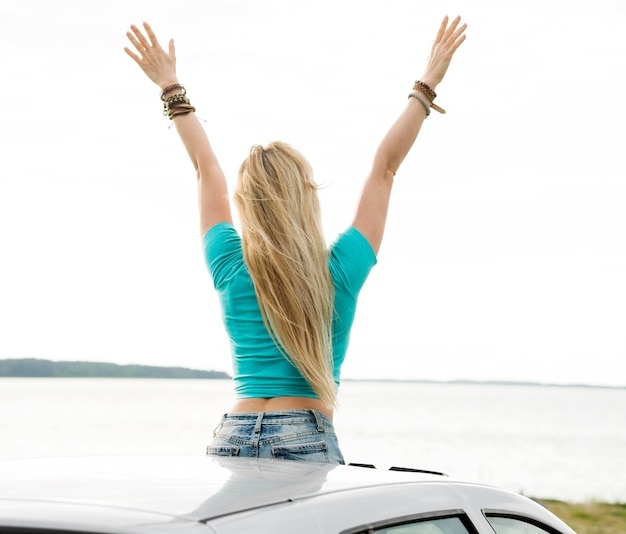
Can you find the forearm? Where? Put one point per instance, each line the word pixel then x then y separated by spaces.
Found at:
pixel 178 108
pixel 196 142
pixel 400 138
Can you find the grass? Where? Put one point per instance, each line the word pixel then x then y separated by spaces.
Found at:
pixel 591 517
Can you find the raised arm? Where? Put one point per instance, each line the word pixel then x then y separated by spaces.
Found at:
pixel 371 212
pixel 160 67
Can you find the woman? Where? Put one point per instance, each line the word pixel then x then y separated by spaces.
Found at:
pixel 288 301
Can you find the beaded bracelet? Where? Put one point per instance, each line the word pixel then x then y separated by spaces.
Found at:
pixel 170 88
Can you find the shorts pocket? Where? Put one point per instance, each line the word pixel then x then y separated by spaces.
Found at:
pixel 222 450
pixel 305 452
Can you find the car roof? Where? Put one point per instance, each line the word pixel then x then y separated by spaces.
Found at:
pixel 194 486
pixel 139 493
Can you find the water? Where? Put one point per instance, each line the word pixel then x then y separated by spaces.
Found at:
pixel 550 442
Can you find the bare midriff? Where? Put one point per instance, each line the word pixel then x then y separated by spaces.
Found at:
pixel 277 404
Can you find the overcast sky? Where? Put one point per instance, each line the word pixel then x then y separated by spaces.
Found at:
pixel 505 251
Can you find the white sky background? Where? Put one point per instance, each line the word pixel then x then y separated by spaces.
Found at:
pixel 505 250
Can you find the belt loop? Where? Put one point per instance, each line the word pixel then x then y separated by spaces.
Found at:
pixel 318 421
pixel 259 420
pixel 219 426
pixel 257 435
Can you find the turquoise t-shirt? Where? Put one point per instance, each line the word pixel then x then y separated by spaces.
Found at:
pixel 259 368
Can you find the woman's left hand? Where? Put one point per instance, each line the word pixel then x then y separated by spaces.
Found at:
pixel 158 65
pixel 449 38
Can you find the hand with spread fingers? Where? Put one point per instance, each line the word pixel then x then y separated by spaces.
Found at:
pixel 449 38
pixel 157 64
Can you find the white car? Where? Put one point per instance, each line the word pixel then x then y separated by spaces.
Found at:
pixel 153 494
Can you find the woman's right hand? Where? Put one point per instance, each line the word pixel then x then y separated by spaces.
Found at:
pixel 448 39
pixel 157 64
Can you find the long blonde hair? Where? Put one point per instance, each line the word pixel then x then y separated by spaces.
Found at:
pixel 286 255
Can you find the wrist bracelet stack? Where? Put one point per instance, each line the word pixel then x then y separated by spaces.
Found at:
pixel 177 103
pixel 423 93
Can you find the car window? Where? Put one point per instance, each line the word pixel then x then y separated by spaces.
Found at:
pixel 417 525
pixel 449 525
pixel 514 525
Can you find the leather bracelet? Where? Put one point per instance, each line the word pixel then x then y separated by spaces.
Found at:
pixel 425 89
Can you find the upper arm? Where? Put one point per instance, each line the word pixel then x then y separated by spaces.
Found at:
pixel 371 213
pixel 372 210
pixel 213 200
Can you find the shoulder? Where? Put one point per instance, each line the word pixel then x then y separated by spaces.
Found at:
pixel 351 242
pixel 351 258
pixel 219 234
pixel 221 245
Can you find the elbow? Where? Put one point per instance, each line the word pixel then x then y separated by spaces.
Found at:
pixel 385 167
pixel 392 165
pixel 385 171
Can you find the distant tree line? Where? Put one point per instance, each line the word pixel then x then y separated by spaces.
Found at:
pixel 34 367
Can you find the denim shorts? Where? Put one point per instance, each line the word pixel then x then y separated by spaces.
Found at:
pixel 301 435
